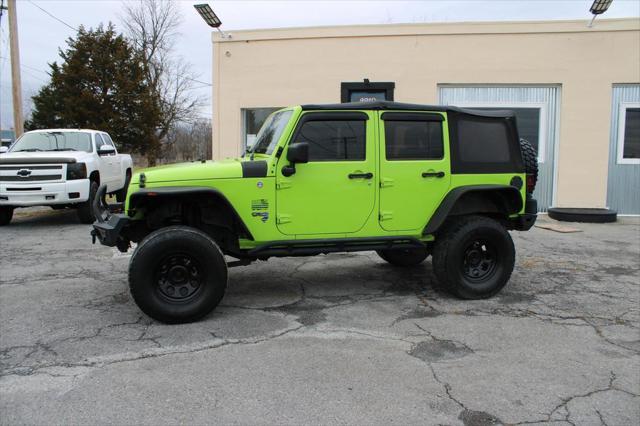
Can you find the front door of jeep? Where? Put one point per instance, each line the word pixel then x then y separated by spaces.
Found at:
pixel 334 192
pixel 414 168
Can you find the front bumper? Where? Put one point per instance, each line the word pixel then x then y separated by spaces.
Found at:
pixel 23 194
pixel 108 226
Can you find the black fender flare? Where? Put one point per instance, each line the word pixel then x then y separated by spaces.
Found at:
pixel 510 194
pixel 139 198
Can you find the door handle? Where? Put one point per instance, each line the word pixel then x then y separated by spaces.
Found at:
pixel 433 174
pixel 361 175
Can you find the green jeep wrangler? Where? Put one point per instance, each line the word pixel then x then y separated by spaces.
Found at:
pixel 404 180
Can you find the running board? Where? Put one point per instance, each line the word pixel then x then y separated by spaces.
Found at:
pixel 314 247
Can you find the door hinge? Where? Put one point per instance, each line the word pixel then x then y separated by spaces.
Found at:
pixel 283 184
pixel 386 182
pixel 283 218
pixel 386 215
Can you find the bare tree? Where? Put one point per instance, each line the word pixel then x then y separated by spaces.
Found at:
pixel 152 27
pixel 189 142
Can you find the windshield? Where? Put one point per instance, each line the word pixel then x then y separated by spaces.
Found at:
pixel 270 132
pixel 53 141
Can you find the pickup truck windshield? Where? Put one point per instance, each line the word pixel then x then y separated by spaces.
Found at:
pixel 53 141
pixel 270 132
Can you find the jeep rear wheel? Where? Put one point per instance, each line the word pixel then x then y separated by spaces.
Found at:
pixel 177 275
pixel 404 257
pixel 6 214
pixel 473 257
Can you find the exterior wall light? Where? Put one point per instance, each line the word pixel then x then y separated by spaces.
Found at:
pixel 598 8
pixel 210 18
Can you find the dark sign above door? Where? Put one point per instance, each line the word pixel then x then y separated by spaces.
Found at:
pixel 366 91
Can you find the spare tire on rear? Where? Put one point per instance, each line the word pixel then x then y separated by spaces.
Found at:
pixel 530 159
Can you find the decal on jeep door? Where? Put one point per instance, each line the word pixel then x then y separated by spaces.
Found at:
pixel 260 208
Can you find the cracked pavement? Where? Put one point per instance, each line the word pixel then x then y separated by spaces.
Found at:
pixel 342 338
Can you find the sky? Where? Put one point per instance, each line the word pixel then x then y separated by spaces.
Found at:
pixel 41 34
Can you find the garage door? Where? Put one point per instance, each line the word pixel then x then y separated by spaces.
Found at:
pixel 536 109
pixel 623 185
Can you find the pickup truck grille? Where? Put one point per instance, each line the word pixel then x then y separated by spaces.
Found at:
pixel 29 173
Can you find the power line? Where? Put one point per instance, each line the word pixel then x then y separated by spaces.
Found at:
pixel 198 81
pixel 27 66
pixel 53 16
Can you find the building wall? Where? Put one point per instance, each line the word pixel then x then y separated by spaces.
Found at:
pixel 270 68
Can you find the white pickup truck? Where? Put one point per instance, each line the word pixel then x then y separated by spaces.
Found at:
pixel 61 168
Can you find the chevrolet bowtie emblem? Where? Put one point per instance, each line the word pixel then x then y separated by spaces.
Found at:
pixel 24 172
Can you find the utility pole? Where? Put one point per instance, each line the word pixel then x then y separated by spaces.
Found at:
pixel 16 86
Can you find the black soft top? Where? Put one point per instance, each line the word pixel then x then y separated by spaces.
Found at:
pixel 400 106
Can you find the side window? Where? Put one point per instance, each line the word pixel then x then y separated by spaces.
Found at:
pixel 629 135
pixel 107 140
pixel 413 140
pixel 99 141
pixel 334 140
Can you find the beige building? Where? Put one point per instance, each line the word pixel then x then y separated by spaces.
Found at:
pixel 575 89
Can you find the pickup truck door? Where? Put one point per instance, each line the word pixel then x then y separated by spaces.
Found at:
pixel 334 193
pixel 414 168
pixel 105 163
pixel 116 164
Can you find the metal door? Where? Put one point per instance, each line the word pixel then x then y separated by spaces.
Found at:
pixel 623 185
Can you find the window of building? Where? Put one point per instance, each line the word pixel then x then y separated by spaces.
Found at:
pixel 334 140
pixel 529 119
pixel 253 119
pixel 629 134
pixel 413 140
pixel 367 96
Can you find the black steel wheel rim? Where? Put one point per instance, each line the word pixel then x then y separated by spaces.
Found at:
pixel 479 261
pixel 179 277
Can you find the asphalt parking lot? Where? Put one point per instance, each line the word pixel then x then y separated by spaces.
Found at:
pixel 338 339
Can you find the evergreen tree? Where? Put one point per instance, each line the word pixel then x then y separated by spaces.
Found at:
pixel 100 84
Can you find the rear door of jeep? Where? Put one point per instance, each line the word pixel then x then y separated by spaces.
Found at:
pixel 415 172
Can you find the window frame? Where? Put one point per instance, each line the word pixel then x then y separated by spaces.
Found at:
pixel 542 125
pixel 332 116
pixel 388 87
pixel 622 121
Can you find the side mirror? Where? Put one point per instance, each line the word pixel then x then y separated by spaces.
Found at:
pixel 106 150
pixel 4 149
pixel 298 153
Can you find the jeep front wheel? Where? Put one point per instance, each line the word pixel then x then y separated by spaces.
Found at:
pixel 177 275
pixel 404 257
pixel 473 257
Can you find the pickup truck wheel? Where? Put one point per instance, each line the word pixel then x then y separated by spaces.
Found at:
pixel 6 213
pixel 473 257
pixel 177 275
pixel 85 212
pixel 404 257
pixel 121 195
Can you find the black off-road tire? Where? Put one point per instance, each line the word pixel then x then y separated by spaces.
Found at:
pixel 177 275
pixel 530 159
pixel 404 257
pixel 85 211
pixel 473 257
pixel 6 214
pixel 121 195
